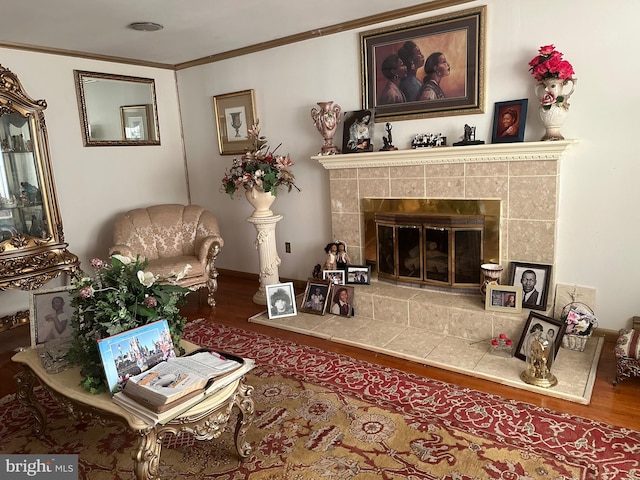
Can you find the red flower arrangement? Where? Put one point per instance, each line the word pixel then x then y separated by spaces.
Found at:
pixel 549 64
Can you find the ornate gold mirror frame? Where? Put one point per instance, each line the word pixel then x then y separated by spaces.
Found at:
pixel 32 246
pixel 117 110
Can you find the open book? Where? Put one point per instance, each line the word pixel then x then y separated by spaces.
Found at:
pixel 213 394
pixel 179 378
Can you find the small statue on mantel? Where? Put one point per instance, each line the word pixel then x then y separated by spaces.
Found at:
pixel 388 141
pixel 469 137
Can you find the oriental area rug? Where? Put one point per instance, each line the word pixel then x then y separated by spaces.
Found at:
pixel 321 415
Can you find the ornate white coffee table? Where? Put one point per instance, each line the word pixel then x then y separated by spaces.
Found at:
pixel 205 421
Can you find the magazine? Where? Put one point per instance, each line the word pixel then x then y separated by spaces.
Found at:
pixel 132 352
pixel 177 378
pixel 152 416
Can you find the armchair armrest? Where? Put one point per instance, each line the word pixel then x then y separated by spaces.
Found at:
pixel 213 243
pixel 123 250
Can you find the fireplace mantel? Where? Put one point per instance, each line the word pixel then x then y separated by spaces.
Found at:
pixel 501 152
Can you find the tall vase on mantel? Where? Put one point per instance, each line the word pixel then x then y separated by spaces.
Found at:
pixel 261 202
pixel 554 94
pixel 326 117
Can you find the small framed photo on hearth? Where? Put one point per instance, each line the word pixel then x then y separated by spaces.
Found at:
pixel 509 119
pixel 342 300
pixel 548 327
pixel 535 280
pixel 316 296
pixel 503 298
pixel 281 300
pixel 337 277
pixel 360 274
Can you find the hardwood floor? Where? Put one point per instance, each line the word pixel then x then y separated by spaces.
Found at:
pixel 617 405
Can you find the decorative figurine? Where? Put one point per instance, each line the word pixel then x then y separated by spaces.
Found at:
pixel 388 141
pixel 469 137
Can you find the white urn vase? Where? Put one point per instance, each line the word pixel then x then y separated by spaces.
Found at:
pixel 261 201
pixel 554 94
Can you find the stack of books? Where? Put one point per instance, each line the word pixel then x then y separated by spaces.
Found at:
pixel 147 379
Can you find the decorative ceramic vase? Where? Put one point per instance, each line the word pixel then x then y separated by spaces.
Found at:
pixel 554 105
pixel 261 201
pixel 491 272
pixel 326 117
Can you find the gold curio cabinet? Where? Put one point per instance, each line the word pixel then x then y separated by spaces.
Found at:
pixel 32 246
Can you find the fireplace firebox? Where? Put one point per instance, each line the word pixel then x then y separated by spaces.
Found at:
pixel 432 242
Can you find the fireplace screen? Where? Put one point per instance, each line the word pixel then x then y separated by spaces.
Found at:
pixel 430 249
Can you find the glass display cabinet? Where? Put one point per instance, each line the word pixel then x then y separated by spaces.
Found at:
pixel 32 246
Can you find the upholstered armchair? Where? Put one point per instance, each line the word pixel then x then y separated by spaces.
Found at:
pixel 169 237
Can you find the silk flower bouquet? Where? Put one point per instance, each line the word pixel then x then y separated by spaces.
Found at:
pixel 549 64
pixel 121 296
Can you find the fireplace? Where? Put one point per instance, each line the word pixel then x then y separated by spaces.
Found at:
pixel 439 242
pixel 521 177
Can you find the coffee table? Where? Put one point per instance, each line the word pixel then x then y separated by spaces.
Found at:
pixel 205 420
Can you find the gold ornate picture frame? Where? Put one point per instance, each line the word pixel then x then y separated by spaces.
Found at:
pixel 235 114
pixel 458 36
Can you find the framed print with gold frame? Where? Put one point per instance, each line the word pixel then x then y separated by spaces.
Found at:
pixel 136 122
pixel 235 114
pixel 449 70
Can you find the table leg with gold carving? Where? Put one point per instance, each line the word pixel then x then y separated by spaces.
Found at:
pixel 244 402
pixel 25 381
pixel 146 457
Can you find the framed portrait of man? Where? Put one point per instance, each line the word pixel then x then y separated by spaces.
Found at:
pixel 535 280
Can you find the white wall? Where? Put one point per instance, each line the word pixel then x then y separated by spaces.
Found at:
pixel 597 226
pixel 96 183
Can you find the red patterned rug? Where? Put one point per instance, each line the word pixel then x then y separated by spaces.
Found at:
pixel 321 415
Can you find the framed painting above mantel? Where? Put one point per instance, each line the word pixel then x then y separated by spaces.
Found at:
pixel 428 68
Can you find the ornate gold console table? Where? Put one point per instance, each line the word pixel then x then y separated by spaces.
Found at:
pixel 205 420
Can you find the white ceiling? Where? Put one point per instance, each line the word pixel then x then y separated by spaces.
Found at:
pixel 193 29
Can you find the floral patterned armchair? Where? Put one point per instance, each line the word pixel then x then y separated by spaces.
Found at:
pixel 169 237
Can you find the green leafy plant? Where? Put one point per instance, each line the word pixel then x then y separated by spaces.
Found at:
pixel 259 168
pixel 120 296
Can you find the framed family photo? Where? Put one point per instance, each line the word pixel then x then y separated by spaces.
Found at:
pixel 535 280
pixel 281 300
pixel 336 277
pixel 503 298
pixel 426 68
pixel 235 114
pixel 50 312
pixel 551 328
pixel 360 274
pixel 509 120
pixel 316 296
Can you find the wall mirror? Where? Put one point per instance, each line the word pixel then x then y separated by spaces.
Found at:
pixel 117 109
pixel 32 246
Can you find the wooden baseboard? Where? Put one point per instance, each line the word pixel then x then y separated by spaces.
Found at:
pixel 301 284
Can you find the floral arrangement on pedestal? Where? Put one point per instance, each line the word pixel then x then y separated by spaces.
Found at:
pixel 121 296
pixel 553 74
pixel 259 168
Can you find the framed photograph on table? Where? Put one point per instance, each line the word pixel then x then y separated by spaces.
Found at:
pixel 50 312
pixel 535 280
pixel 136 121
pixel 551 329
pixel 509 120
pixel 359 274
pixel 281 300
pixel 316 296
pixel 235 114
pixel 503 298
pixel 427 68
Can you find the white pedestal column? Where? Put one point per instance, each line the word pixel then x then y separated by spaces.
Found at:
pixel 268 254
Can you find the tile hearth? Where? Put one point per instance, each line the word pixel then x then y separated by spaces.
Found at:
pixel 444 330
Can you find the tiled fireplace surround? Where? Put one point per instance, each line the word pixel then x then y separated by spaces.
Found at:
pixel 524 176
